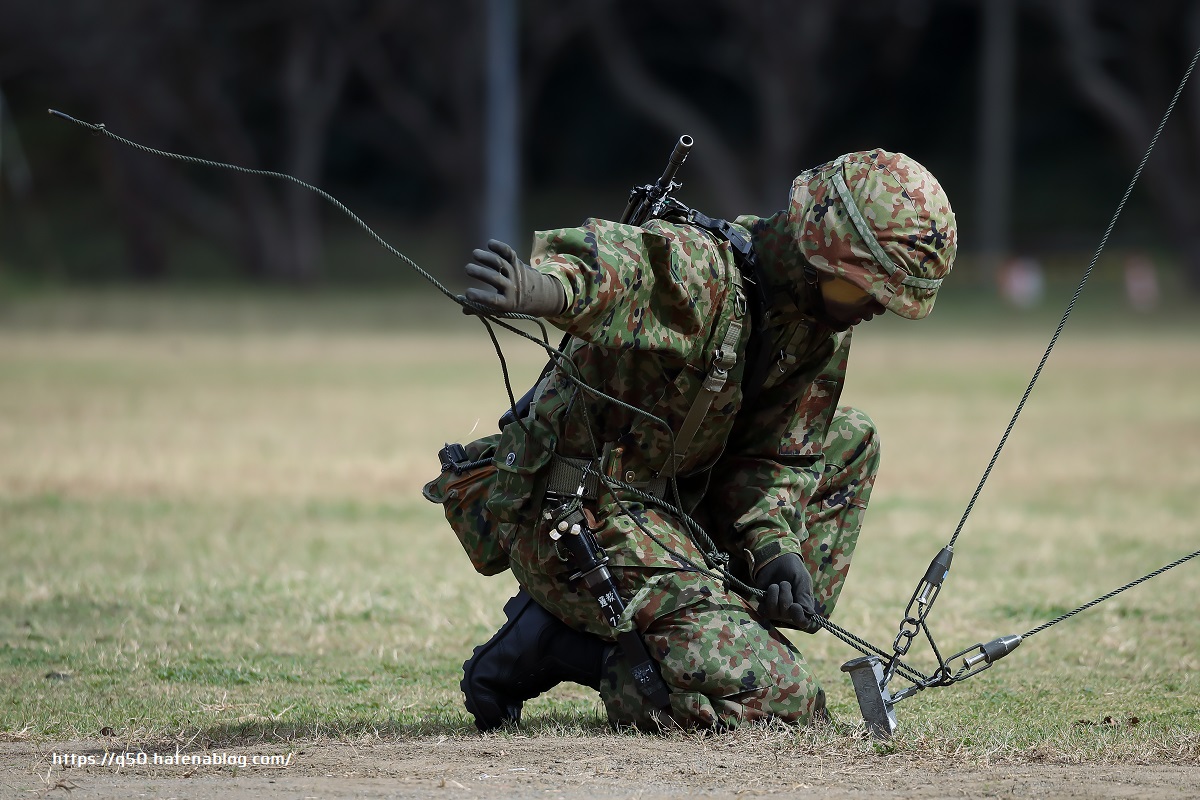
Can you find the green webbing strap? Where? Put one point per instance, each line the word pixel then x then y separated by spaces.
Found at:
pixel 868 236
pixel 723 361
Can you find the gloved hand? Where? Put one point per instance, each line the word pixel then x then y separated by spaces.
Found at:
pixel 513 286
pixel 789 591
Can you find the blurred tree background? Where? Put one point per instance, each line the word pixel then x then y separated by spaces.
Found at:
pixel 443 123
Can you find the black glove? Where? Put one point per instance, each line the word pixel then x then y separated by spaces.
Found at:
pixel 513 286
pixel 789 589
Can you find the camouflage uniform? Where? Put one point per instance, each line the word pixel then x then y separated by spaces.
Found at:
pixel 654 312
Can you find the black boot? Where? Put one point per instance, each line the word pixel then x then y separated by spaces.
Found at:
pixel 532 652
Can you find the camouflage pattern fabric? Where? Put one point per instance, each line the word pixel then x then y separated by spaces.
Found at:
pixel 648 308
pixel 725 665
pixel 835 516
pixel 881 221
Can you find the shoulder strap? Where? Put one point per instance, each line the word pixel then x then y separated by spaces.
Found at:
pixel 758 355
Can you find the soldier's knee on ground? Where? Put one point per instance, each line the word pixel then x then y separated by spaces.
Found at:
pixel 724 665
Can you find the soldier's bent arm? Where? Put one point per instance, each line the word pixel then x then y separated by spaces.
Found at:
pixel 654 288
pixel 773 461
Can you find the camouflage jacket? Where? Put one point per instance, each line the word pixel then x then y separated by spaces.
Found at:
pixel 650 309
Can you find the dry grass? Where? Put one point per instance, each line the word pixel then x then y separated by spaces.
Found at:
pixel 214 533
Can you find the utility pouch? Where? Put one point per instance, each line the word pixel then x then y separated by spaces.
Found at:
pixel 467 479
pixel 520 463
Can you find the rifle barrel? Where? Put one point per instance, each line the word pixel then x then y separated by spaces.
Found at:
pixel 678 156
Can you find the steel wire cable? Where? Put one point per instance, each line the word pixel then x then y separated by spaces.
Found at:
pixel 866 648
pixel 1042 363
pixel 1074 298
pixel 1111 594
pixel 100 128
pixel 488 317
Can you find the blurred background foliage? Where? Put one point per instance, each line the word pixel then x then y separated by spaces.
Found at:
pixel 444 123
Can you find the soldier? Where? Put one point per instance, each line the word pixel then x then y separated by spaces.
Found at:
pixel 768 463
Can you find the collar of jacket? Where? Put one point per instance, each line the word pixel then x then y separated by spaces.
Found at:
pixel 782 265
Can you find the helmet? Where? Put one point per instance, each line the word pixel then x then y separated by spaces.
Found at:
pixel 879 220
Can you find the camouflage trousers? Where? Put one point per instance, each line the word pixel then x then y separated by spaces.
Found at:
pixel 725 665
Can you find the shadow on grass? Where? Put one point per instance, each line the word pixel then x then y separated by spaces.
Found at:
pixel 350 728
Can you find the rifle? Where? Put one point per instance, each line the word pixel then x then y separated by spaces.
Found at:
pixel 650 200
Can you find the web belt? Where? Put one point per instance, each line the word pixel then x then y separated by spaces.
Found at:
pixel 567 477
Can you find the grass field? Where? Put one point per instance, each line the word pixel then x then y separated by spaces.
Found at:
pixel 211 528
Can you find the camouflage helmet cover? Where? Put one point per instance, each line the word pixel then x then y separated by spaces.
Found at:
pixel 881 221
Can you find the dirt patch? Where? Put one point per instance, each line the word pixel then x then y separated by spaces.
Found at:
pixel 566 767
